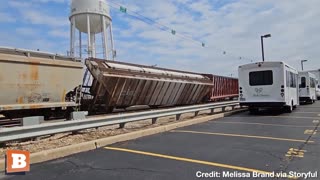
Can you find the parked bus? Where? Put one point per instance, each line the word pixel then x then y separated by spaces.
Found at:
pixel 317 73
pixel 307 87
pixel 268 85
pixel 318 90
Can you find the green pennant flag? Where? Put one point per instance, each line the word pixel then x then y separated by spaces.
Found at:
pixel 123 9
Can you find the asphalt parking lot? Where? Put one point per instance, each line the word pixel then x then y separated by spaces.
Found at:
pixel 241 146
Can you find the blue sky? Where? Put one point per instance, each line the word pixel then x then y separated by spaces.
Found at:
pixel 233 26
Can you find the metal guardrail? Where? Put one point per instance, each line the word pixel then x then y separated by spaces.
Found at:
pixel 19 133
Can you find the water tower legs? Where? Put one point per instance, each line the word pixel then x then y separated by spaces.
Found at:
pixel 80 44
pixel 93 45
pixel 104 37
pixel 72 36
pixel 113 51
pixel 103 48
pixel 89 38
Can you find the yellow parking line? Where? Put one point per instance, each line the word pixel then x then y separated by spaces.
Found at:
pixel 306 112
pixel 263 124
pixel 310 131
pixel 241 135
pixel 315 121
pixel 305 107
pixel 295 153
pixel 188 160
pixel 293 117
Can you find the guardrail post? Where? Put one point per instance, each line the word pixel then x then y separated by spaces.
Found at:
pixel 196 113
pixel 178 117
pixel 121 125
pixel 33 120
pixel 223 109
pixel 154 120
pixel 212 111
pixel 75 132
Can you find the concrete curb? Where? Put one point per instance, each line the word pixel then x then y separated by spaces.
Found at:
pixel 91 145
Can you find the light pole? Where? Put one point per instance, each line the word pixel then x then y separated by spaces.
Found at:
pixel 302 61
pixel 262 49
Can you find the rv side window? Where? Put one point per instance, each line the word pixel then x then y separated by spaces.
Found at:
pixel 287 79
pixel 312 83
pixel 293 80
pixel 303 82
pixel 258 78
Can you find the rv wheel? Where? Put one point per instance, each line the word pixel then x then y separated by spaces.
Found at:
pixel 290 108
pixel 253 110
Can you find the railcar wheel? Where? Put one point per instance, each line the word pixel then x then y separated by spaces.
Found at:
pixel 109 109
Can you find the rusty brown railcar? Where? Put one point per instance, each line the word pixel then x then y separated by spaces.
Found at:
pixel 36 83
pixel 119 84
pixel 224 88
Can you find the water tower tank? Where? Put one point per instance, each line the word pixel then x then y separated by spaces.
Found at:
pixel 95 9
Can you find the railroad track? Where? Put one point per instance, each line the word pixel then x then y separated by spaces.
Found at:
pixel 19 133
pixel 7 123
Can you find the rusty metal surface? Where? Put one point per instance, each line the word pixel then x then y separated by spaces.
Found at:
pixel 223 88
pixel 33 80
pixel 118 84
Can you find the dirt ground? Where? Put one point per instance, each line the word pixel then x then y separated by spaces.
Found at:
pixel 64 139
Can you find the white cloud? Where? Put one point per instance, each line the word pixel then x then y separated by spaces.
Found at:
pixel 234 27
pixel 48 1
pixel 26 31
pixel 33 13
pixel 36 17
pixel 33 43
pixel 59 33
pixel 6 17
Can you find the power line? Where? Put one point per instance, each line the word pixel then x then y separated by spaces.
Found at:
pixel 165 28
pixel 150 21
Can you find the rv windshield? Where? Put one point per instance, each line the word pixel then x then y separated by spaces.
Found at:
pixel 258 78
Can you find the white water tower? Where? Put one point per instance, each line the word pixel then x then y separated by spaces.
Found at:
pixel 91 20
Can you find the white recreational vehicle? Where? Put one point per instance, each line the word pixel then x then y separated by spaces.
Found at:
pixel 268 85
pixel 307 87
pixel 317 73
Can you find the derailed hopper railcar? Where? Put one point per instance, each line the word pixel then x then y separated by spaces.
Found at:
pixel 118 84
pixel 224 88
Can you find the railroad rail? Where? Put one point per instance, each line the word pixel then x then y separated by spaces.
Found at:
pixel 9 123
pixel 20 133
